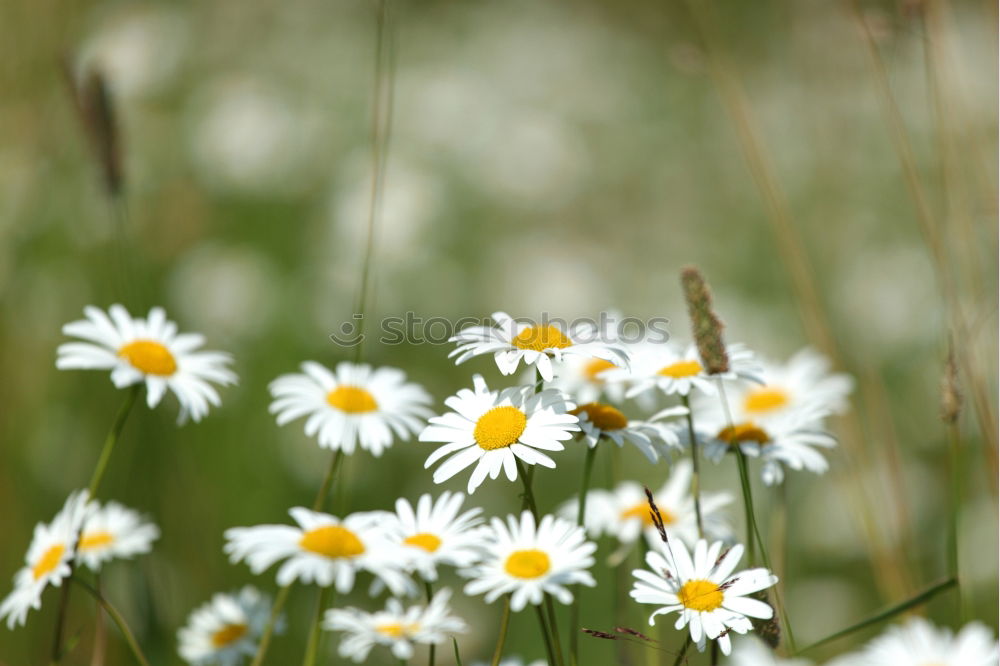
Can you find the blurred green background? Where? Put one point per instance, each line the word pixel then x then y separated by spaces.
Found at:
pixel 543 157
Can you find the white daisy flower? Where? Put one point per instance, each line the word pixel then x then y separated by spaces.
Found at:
pixel 511 341
pixel 528 563
pixel 322 549
pixel 588 379
pixel 493 429
pixel 749 651
pixel 625 515
pixel 920 643
pixel 709 597
pixel 397 628
pixel 48 560
pixel 355 404
pixel 786 440
pixel 672 370
pixel 114 531
pixel 435 533
pixel 804 383
pixel 151 351
pixel 226 629
pixel 599 420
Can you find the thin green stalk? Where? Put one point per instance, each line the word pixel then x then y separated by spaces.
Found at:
pixel 529 496
pixel 741 464
pixel 100 633
pixel 265 637
pixel 684 648
pixel 554 629
pixel 458 657
pixel 316 628
pixel 331 473
pixel 502 636
pixel 117 618
pixel 574 611
pixel 916 600
pixel 695 476
pixel 543 626
pixel 955 447
pixel 429 591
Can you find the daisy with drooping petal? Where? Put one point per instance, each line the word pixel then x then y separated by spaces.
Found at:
pixel 397 628
pixel 352 405
pixel 151 351
pixel 114 531
pixel 226 629
pixel 48 560
pixel 599 420
pixel 435 533
pixel 528 562
pixel 511 341
pixel 626 515
pixel 322 549
pixel 790 439
pixel 709 597
pixel 495 429
pixel 920 643
pixel 673 370
pixel 751 651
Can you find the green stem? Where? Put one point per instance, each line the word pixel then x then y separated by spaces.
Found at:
pixel 684 648
pixel 695 476
pixel 502 636
pixel 265 637
pixel 529 496
pixel 117 618
pixel 316 628
pixel 331 472
pixel 741 464
pixel 916 600
pixel 955 447
pixel 542 624
pixel 458 657
pixel 554 629
pixel 429 591
pixel 574 611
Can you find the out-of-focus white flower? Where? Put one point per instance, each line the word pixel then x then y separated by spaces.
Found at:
pixel 114 531
pixel 225 630
pixel 748 651
pixel 672 370
pixel 920 643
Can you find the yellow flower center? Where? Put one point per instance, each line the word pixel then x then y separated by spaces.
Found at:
pixel 765 399
pixel 499 427
pixel 744 432
pixel 424 540
pixel 332 541
pixel 228 634
pixel 396 630
pixel 594 367
pixel 150 357
pixel 527 563
pixel 540 338
pixel 603 416
pixel 352 399
pixel 700 595
pixel 681 369
pixel 96 539
pixel 643 512
pixel 48 561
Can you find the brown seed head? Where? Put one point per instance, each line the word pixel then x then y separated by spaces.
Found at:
pixel 705 325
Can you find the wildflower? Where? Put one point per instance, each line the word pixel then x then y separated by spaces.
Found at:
pixel 226 629
pixel 510 342
pixel 494 429
pixel 709 597
pixel 673 370
pixel 920 643
pixel 435 533
pixel 588 380
pixel 528 562
pixel 398 629
pixel 355 404
pixel 321 549
pixel 48 560
pixel 151 351
pixel 753 652
pixel 599 420
pixel 114 531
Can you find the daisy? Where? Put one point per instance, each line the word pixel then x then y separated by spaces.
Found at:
pixel 672 370
pixel 709 597
pixel 786 440
pixel 626 516
pixel 753 652
pixel 599 420
pixel 48 560
pixel 355 404
pixel 528 563
pixel 435 533
pixel 920 643
pixel 588 380
pixel 226 629
pixel 511 341
pixel 398 629
pixel 495 429
pixel 114 531
pixel 321 549
pixel 151 351
pixel 803 383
